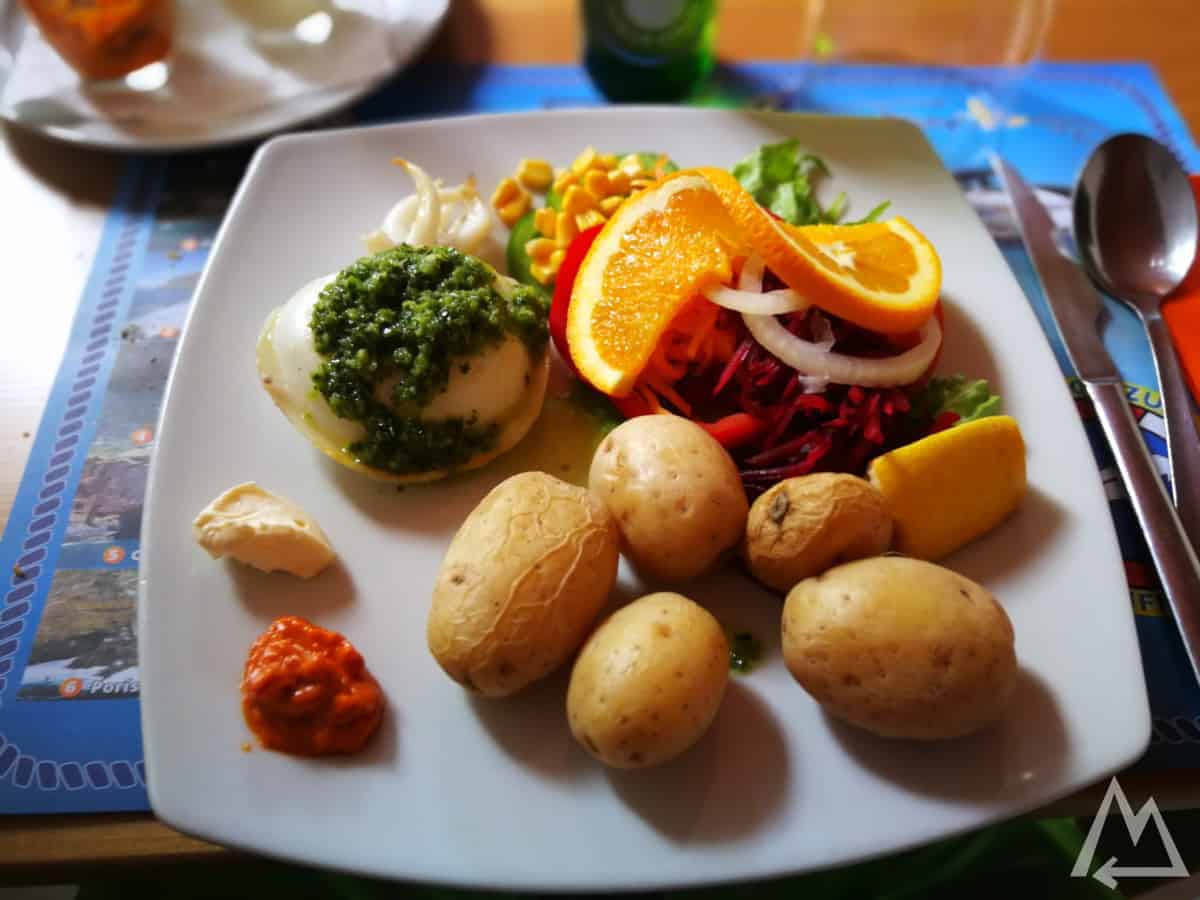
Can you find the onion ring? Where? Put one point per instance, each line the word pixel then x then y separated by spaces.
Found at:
pixel 772 303
pixel 809 359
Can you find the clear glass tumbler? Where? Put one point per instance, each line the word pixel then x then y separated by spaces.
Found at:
pixel 933 32
pixel 122 42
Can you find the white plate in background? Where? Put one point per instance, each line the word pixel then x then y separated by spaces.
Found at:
pixel 409 26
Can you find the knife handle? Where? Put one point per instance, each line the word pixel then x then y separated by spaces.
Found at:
pixel 1183 446
pixel 1178 567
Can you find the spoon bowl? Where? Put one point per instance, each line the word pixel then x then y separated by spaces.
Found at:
pixel 1136 230
pixel 1135 219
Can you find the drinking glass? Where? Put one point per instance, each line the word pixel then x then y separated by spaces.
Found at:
pixel 941 32
pixel 124 43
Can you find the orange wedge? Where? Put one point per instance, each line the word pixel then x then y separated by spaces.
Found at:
pixel 658 251
pixel 884 276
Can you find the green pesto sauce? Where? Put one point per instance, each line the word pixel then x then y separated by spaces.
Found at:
pixel 403 315
pixel 744 652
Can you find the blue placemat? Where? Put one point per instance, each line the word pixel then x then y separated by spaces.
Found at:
pixel 69 731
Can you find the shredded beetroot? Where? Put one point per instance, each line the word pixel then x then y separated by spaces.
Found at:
pixel 944 421
pixel 840 429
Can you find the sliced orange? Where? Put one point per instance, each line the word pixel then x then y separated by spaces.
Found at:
pixel 658 251
pixel 881 275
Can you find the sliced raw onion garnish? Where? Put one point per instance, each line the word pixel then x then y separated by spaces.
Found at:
pixel 428 218
pixel 810 359
pixel 772 303
pixel 812 384
pixel 822 331
pixel 433 216
pixel 750 278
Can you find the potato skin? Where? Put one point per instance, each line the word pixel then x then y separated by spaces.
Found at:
pixel 648 682
pixel 521 583
pixel 675 492
pixel 802 526
pixel 901 647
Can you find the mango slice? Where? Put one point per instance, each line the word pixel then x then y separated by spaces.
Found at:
pixel 949 488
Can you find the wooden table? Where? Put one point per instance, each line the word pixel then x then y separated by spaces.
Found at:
pixel 53 199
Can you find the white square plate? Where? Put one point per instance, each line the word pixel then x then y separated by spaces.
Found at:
pixel 496 793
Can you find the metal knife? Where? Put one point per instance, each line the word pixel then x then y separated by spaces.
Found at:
pixel 1076 307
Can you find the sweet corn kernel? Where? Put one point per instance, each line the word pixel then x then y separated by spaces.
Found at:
pixel 506 192
pixel 565 230
pixel 609 205
pixel 586 220
pixel 556 260
pixel 584 161
pixel 512 211
pixel 564 180
pixel 535 174
pixel 619 182
pixel 631 165
pixel 595 183
pixel 576 201
pixel 541 273
pixel 607 162
pixel 543 221
pixel 539 249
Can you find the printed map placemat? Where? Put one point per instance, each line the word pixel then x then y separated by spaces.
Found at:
pixel 69 729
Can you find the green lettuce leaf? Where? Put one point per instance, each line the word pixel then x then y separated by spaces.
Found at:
pixel 782 178
pixel 969 399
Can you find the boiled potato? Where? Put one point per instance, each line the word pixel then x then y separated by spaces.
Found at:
pixel 802 526
pixel 521 583
pixel 648 682
pixel 901 647
pixel 675 493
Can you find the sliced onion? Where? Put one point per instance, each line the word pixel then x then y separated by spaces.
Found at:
pixel 398 223
pixel 812 384
pixel 822 331
pixel 809 359
pixel 428 217
pixel 378 241
pixel 434 215
pixel 772 303
pixel 467 230
pixel 750 278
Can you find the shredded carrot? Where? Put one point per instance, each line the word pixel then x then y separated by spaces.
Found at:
pixel 701 335
pixel 649 396
pixel 662 389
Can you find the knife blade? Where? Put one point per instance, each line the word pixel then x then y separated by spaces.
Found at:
pixel 1076 307
pixel 1074 302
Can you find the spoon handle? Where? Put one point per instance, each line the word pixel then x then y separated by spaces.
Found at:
pixel 1183 444
pixel 1178 567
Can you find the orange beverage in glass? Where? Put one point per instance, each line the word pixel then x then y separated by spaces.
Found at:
pixel 105 39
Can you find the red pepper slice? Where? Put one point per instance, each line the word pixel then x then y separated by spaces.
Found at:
pixel 563 284
pixel 944 420
pixel 735 430
pixel 632 406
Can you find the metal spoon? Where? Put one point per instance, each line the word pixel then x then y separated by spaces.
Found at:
pixel 1136 230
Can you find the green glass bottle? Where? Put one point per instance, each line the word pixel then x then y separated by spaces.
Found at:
pixel 649 50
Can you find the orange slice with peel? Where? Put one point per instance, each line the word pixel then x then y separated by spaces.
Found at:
pixel 884 276
pixel 660 249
